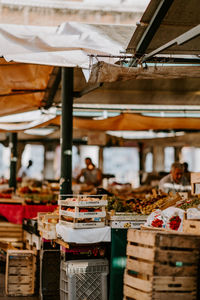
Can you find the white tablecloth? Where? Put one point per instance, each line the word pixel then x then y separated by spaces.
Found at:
pixel 83 236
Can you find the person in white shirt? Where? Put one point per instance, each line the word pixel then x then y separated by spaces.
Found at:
pixel 25 171
pixel 175 181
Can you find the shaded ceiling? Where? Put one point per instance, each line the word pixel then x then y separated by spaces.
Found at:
pixel 164 21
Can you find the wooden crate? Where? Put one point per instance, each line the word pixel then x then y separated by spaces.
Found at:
pixel 195 183
pixel 20 273
pixel 191 226
pixel 10 231
pixel 161 266
pixel 47 225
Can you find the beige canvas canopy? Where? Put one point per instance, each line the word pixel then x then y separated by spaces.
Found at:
pixel 23 86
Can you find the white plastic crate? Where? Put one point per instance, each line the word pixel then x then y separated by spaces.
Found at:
pixel 84 279
pixel 83 200
pixel 81 215
pixel 82 211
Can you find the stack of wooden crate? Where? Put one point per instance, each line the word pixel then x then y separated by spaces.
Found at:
pixel 11 233
pixel 20 273
pixel 161 266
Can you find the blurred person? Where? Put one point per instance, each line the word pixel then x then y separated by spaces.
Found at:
pixel 175 181
pixel 25 171
pixel 91 174
pixel 186 171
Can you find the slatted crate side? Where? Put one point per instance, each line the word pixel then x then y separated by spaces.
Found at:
pixel 20 290
pixel 140 252
pixel 157 286
pixel 176 262
pixel 191 226
pixel 20 272
pixel 141 237
pixel 167 269
pixel 9 230
pixel 177 240
pixel 174 284
pixel 170 238
pixel 20 286
pixel 170 254
pixel 155 261
pixel 174 255
pixel 139 266
pixel 174 296
pixel 135 295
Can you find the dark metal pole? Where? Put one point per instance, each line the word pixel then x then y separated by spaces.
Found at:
pixel 13 160
pixel 177 154
pixel 141 161
pixel 66 131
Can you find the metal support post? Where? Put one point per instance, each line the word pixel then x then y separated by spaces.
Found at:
pixel 141 161
pixel 66 131
pixel 13 159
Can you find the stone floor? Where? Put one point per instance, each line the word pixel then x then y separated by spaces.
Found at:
pixel 4 297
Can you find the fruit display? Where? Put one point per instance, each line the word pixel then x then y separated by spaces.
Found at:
pixel 189 203
pixel 145 204
pixel 37 194
pixel 6 193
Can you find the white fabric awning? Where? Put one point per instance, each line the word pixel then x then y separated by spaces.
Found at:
pixel 67 45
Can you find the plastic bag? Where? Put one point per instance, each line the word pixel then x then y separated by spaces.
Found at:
pixel 155 219
pixel 173 217
pixel 193 213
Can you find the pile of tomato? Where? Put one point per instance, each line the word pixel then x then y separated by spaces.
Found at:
pixel 174 222
pixel 157 223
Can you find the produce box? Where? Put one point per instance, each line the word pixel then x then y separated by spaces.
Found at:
pixel 160 267
pixel 83 200
pixel 191 225
pixel 47 225
pixel 82 211
pixel 20 273
pixel 195 183
pixel 125 220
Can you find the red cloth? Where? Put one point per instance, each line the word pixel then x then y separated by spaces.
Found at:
pixel 30 211
pixel 15 213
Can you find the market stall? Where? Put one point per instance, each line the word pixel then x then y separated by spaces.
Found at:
pixel 71 217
